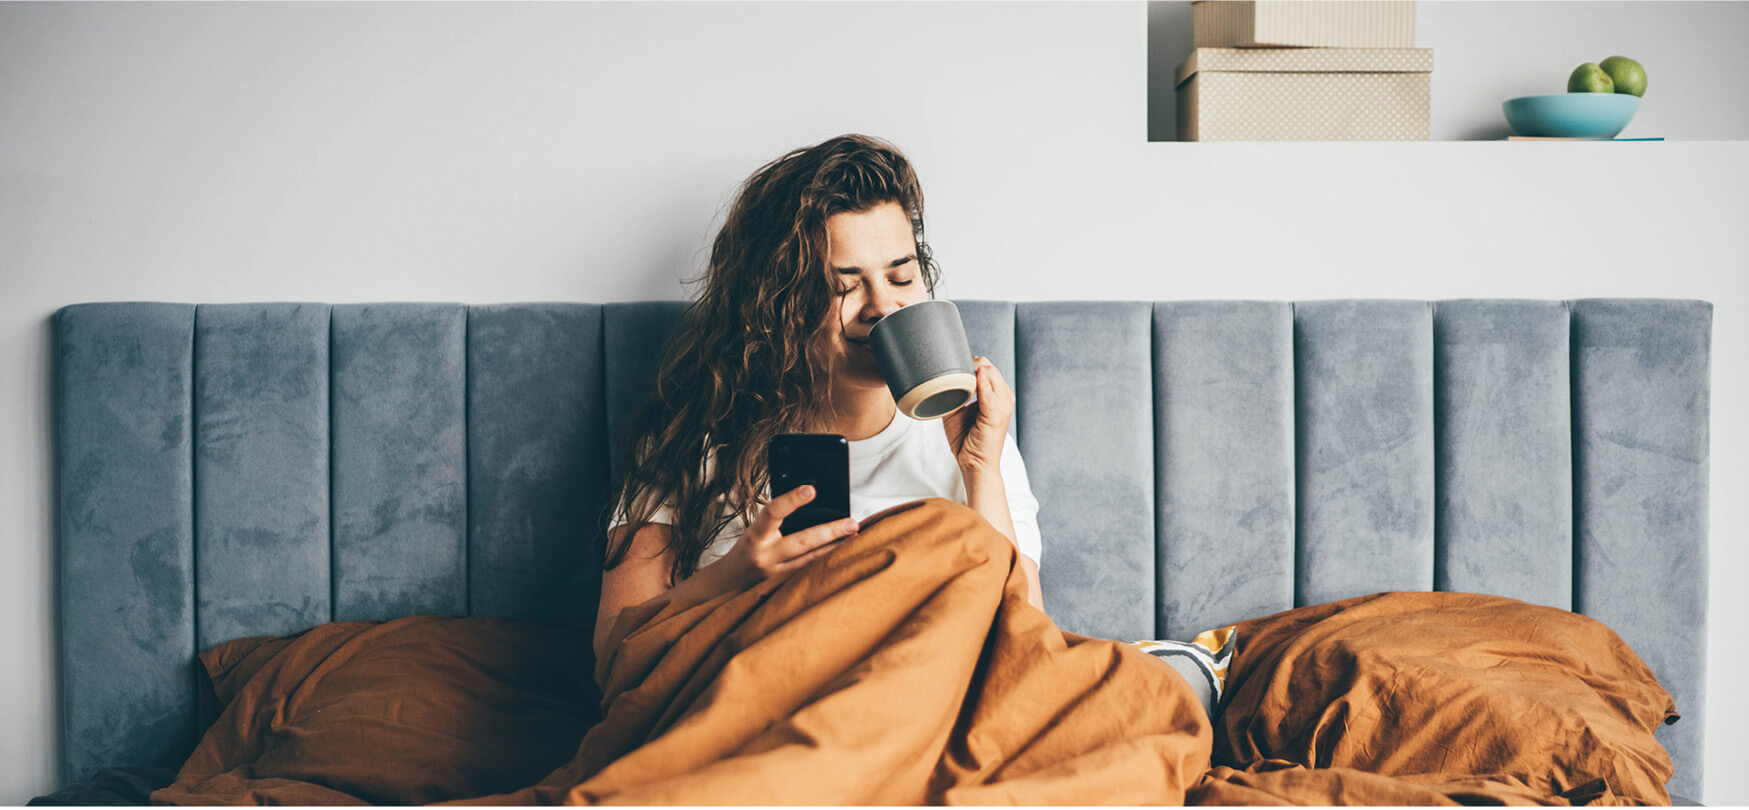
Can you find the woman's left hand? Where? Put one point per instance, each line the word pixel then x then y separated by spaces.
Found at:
pixel 976 432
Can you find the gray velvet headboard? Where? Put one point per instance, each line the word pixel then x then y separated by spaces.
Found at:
pixel 245 469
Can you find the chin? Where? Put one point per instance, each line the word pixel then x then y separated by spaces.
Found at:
pixel 869 375
pixel 862 370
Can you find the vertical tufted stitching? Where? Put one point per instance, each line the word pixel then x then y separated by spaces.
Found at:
pixel 333 519
pixel 1020 359
pixel 194 510
pixel 1434 436
pixel 467 470
pixel 1299 454
pixel 1575 415
pixel 1153 422
pixel 1160 594
pixel 598 533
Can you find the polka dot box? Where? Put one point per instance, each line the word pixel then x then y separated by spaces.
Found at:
pixel 1305 94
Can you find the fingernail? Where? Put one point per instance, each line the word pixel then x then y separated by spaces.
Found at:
pixel 807 491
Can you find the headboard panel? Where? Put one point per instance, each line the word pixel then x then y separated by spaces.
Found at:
pixel 1224 461
pixel 240 469
pixel 125 523
pixel 1641 397
pixel 1085 421
pixel 1504 474
pixel 537 460
pixel 1363 435
pixel 261 476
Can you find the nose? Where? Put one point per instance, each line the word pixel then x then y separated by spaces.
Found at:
pixel 882 301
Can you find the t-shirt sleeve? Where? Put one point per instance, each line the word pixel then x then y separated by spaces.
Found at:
pixel 1022 506
pixel 663 514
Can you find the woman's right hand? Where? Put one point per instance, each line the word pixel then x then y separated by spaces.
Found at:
pixel 763 551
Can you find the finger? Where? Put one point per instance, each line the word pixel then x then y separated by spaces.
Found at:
pixel 781 506
pixel 961 420
pixel 806 540
pixel 998 383
pixel 988 372
pixel 798 562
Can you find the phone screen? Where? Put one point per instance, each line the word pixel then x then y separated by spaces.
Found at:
pixel 820 459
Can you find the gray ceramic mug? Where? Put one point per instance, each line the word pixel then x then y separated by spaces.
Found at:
pixel 922 351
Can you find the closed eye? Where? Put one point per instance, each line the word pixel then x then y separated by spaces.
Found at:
pixel 896 283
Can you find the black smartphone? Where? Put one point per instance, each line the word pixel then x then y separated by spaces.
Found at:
pixel 821 459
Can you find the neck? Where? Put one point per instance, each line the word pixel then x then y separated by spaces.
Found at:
pixel 862 410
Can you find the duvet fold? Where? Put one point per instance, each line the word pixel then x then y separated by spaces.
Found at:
pixel 905 667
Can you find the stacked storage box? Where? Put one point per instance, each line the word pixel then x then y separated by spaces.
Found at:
pixel 1304 70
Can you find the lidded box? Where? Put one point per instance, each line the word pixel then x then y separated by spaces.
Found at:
pixel 1305 94
pixel 1303 23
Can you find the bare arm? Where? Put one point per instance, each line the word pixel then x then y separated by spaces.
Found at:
pixel 640 577
pixel 976 435
pixel 987 495
pixel 761 552
pixel 643 576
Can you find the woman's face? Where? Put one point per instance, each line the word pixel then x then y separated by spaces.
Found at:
pixel 872 257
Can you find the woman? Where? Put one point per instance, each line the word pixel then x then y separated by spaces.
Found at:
pixel 818 246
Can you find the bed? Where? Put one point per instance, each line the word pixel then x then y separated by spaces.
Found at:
pixel 236 470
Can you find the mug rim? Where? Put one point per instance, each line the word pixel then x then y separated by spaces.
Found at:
pixel 885 318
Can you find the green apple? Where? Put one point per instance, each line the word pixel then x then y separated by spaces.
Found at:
pixel 1589 78
pixel 1627 74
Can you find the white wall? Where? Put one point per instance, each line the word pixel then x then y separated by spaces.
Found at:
pixel 485 153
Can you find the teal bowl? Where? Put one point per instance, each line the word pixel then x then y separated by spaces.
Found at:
pixel 1571 115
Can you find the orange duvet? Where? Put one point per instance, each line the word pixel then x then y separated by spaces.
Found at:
pixel 909 669
pixel 906 667
pixel 1437 698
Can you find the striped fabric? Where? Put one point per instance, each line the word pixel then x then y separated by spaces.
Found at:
pixel 1202 661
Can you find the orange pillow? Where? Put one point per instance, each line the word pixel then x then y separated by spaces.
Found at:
pixel 1444 686
pixel 410 711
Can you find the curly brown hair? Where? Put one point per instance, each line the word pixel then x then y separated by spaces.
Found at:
pixel 748 362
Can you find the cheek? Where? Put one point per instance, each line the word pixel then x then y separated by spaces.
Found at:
pixel 842 318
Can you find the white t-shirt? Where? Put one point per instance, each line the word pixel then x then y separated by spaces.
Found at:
pixel 907 461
